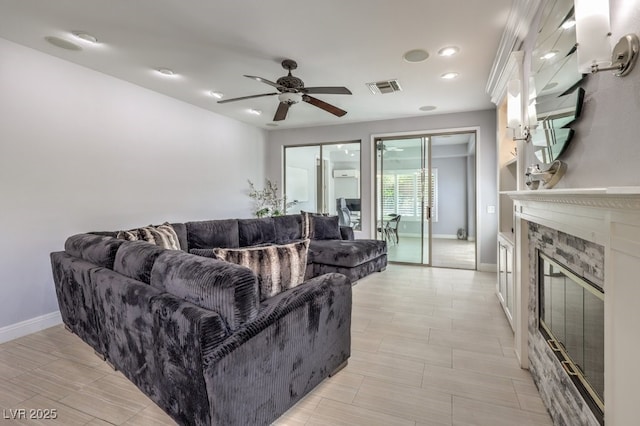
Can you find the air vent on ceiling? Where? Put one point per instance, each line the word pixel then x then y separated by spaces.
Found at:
pixel 382 87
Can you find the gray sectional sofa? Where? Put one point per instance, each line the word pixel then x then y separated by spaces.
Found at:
pixel 195 333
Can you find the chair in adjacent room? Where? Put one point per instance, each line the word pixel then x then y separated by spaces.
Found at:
pixel 391 229
pixel 344 215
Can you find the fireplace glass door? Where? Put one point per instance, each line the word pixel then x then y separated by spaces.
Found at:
pixel 572 321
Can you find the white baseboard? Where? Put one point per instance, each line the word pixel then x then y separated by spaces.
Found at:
pixel 445 236
pixel 29 326
pixel 488 267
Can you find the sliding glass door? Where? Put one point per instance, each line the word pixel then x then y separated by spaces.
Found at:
pixel 404 188
pixel 325 178
pixel 425 198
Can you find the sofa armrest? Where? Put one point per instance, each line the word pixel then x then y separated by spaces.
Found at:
pixel 299 337
pixel 346 232
pixel 182 332
pixel 228 289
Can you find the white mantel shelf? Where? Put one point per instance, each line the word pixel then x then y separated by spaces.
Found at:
pixel 609 217
pixel 621 197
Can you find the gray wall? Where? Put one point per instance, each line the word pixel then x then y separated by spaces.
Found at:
pixel 605 149
pixel 452 192
pixel 82 151
pixel 486 163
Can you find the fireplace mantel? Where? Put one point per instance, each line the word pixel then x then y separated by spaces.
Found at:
pixel 619 198
pixel 609 217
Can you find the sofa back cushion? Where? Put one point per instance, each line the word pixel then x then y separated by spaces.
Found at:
pixel 97 249
pixel 181 231
pixel 228 289
pixel 213 233
pixel 288 228
pixel 135 259
pixel 256 231
pixel 278 267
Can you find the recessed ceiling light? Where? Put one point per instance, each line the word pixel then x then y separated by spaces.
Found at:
pixel 63 44
pixel 216 95
pixel 272 124
pixel 254 111
pixel 166 72
pixel 569 23
pixel 448 51
pixel 427 108
pixel 85 37
pixel 449 75
pixel 549 54
pixel 416 55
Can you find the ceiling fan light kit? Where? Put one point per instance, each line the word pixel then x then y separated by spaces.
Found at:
pixel 291 91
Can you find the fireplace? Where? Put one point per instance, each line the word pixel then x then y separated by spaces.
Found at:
pixel 566 347
pixel 571 319
pixel 594 233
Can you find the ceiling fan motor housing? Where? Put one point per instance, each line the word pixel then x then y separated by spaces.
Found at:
pixel 290 82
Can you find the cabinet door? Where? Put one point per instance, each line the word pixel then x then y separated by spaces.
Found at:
pixel 509 279
pixel 502 272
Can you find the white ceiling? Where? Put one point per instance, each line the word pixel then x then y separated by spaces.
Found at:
pixel 211 44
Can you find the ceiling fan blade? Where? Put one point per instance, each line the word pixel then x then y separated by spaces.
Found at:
pixel 323 105
pixel 247 97
pixel 281 113
pixel 327 90
pixel 264 80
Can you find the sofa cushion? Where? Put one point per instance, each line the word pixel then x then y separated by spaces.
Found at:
pixel 228 289
pixel 97 249
pixel 288 228
pixel 135 259
pixel 278 267
pixel 213 233
pixel 256 231
pixel 345 253
pixel 161 235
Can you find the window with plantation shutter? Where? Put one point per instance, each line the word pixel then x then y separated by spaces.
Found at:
pixel 407 188
pixel 401 194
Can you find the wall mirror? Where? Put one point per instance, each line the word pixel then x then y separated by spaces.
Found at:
pixel 555 98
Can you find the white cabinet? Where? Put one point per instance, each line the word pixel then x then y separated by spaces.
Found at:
pixel 505 288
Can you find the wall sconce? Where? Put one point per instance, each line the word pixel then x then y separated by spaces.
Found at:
pixel 514 111
pixel 594 49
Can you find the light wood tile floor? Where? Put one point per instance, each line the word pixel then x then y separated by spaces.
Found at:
pixel 429 347
pixel 445 253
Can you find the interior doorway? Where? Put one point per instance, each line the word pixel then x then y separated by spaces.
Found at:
pixel 426 198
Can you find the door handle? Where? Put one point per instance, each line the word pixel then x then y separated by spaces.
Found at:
pixel 428 212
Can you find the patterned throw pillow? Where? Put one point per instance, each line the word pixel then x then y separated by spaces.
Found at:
pixel 162 235
pixel 278 267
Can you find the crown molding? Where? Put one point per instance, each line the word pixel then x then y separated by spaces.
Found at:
pixel 516 30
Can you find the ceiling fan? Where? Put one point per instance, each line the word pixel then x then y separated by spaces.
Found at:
pixel 291 90
pixel 383 147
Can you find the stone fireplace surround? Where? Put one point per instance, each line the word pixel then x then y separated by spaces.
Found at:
pixel 585 259
pixel 605 217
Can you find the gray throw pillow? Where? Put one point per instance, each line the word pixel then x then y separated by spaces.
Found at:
pixel 315 228
pixel 278 267
pixel 325 228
